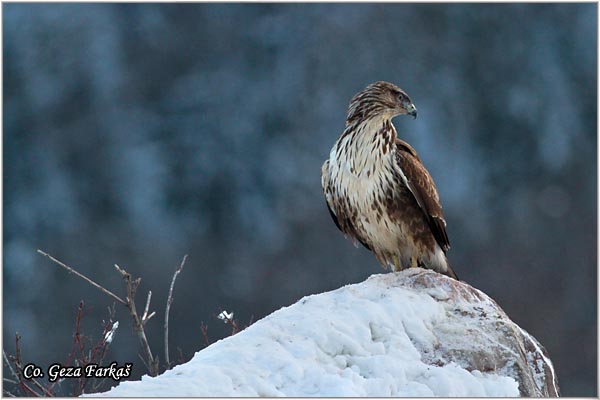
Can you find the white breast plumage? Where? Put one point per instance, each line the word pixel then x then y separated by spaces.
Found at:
pixel 360 170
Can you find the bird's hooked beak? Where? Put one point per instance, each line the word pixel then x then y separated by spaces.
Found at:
pixel 411 110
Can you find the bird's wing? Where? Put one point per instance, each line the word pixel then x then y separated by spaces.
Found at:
pixel 325 183
pixel 423 188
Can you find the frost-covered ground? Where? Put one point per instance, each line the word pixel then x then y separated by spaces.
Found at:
pixel 413 333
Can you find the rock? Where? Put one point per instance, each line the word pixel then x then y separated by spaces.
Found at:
pixel 490 341
pixel 411 333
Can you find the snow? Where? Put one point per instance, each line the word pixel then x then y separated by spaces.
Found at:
pixel 412 333
pixel 225 316
pixel 108 337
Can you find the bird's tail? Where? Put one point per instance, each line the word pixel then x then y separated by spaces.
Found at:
pixel 449 271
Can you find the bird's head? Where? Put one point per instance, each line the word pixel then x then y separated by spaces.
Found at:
pixel 380 99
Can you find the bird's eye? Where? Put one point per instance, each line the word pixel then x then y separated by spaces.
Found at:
pixel 401 97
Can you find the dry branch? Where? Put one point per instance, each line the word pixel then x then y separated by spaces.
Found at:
pixel 204 330
pixel 85 278
pixel 145 316
pixel 138 323
pixel 18 362
pixel 168 309
pixel 150 361
pixel 12 371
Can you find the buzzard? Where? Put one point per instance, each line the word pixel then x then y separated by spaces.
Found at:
pixel 377 190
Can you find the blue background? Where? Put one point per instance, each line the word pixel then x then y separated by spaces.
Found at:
pixel 137 133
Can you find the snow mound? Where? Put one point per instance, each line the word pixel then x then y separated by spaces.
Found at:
pixel 411 333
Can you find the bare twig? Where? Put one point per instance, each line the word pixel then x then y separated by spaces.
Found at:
pixel 228 319
pixel 78 356
pixel 250 322
pixel 138 323
pixel 234 326
pixel 204 330
pixel 19 371
pixel 168 309
pixel 42 388
pixel 151 361
pixel 99 351
pixel 19 368
pixel 77 335
pixel 76 338
pixel 85 278
pixel 12 371
pixel 145 316
pixel 181 358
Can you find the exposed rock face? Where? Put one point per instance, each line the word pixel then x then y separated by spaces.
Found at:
pixel 411 333
pixel 489 342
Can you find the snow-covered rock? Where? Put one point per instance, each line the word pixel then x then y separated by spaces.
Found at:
pixel 412 333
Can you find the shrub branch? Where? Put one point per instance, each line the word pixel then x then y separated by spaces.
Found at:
pixel 85 278
pixel 168 308
pixel 138 322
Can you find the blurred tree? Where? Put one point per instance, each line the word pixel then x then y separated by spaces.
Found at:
pixel 134 134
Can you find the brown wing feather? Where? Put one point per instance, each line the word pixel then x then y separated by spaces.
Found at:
pixel 423 189
pixel 348 228
pixel 333 217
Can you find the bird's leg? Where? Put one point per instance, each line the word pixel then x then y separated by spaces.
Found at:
pixel 397 264
pixel 413 262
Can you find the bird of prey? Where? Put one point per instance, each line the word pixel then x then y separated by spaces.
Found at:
pixel 377 190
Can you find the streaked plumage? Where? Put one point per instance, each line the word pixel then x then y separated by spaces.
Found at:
pixel 378 191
